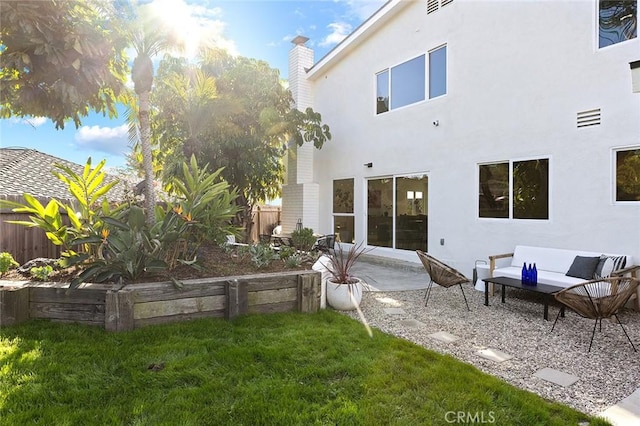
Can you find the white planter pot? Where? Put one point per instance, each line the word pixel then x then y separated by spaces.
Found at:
pixel 344 297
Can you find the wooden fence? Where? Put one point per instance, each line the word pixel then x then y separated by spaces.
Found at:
pixel 265 218
pixel 125 307
pixel 24 243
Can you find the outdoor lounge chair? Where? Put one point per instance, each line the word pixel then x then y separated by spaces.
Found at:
pixel 598 299
pixel 325 243
pixel 442 275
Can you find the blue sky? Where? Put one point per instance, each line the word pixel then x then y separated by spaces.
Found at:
pixel 260 29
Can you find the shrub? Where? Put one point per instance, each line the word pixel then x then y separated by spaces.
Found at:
pixel 126 250
pixel 41 273
pixel 200 209
pixel 293 261
pixel 6 262
pixel 303 239
pixel 262 255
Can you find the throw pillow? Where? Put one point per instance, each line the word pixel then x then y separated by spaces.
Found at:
pixel 608 264
pixel 604 268
pixel 583 267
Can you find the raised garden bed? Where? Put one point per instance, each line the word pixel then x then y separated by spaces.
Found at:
pixel 125 307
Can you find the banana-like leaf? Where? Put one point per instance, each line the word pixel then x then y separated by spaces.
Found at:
pixel 34 203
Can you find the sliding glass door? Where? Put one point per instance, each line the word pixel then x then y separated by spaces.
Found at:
pixel 397 212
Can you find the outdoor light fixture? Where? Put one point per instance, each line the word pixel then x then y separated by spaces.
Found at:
pixel 635 76
pixel 418 195
pixel 409 195
pixel 369 165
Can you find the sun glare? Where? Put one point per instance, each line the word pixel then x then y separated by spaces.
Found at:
pixel 197 26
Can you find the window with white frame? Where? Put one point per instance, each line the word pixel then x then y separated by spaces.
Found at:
pixel 343 213
pixel 514 189
pixel 438 72
pixel 617 21
pixel 406 83
pixel 627 175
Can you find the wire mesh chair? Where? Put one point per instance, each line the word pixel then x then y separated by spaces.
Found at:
pixel 598 299
pixel 441 274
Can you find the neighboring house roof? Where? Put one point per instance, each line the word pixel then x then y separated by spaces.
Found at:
pixel 27 170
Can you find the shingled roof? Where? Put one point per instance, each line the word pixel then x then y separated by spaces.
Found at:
pixel 27 170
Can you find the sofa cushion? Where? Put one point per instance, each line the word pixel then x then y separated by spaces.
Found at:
pixel 544 277
pixel 583 267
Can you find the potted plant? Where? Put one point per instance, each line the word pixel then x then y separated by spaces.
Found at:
pixel 344 291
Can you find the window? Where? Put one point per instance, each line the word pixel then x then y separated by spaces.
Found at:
pixel 617 21
pixel 627 175
pixel 343 217
pixel 514 189
pixel 405 84
pixel 438 72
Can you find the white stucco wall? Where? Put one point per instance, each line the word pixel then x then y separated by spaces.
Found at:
pixel 518 73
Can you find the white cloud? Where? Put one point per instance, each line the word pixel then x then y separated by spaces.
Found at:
pixel 111 140
pixel 339 31
pixel 35 121
pixel 31 121
pixel 362 9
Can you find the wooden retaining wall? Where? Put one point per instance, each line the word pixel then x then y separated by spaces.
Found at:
pixel 122 308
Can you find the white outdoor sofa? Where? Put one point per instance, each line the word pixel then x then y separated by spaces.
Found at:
pixel 553 264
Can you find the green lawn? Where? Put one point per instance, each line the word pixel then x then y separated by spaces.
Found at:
pixel 281 369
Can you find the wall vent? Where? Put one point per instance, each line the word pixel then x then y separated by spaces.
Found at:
pixel 433 5
pixel 589 118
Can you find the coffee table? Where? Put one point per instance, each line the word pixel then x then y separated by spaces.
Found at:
pixel 545 289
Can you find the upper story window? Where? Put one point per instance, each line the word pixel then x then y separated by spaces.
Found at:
pixel 406 84
pixel 514 189
pixel 438 72
pixel 401 85
pixel 617 21
pixel 627 175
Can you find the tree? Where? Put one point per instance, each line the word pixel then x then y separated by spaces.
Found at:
pixel 232 113
pixel 60 59
pixel 148 37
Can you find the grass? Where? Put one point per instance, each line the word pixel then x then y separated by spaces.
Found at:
pixel 280 369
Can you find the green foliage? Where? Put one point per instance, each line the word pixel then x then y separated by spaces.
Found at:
pixel 6 262
pixel 202 209
pixel 303 239
pixel 277 369
pixel 88 189
pixel 293 261
pixel 231 112
pixel 286 252
pixel 60 59
pixel 262 255
pixel 41 273
pixel 126 250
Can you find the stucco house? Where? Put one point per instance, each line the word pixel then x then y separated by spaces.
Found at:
pixel 466 127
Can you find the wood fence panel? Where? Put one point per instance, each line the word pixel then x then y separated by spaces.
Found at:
pixel 264 218
pixel 24 243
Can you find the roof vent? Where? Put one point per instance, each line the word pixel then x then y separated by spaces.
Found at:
pixel 589 118
pixel 446 2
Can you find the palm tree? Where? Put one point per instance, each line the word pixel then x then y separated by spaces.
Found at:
pixel 149 36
